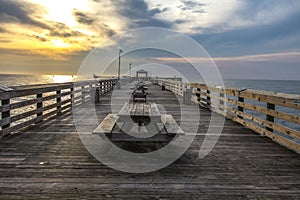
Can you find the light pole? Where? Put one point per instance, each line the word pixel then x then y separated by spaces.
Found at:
pixel 119 70
pixel 130 65
pixel 120 52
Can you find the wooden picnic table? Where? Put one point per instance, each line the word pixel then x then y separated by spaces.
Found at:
pixel 136 121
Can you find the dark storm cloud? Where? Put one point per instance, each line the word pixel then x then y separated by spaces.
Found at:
pixel 19 11
pixel 137 11
pixel 82 17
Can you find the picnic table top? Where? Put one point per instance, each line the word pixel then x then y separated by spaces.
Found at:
pixel 139 109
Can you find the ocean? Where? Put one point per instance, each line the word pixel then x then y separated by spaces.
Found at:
pixel 26 79
pixel 283 86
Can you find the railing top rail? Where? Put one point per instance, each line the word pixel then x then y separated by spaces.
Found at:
pixel 243 91
pixel 25 90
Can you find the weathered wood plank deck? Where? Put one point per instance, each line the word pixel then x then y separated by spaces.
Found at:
pixel 48 160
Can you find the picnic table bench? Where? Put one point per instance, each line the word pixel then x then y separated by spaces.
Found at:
pixel 140 93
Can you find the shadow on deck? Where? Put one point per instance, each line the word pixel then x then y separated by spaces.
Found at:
pixel 49 160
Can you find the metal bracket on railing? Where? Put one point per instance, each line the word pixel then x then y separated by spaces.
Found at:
pixel 5 89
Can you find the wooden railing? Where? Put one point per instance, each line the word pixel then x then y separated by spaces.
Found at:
pixel 275 115
pixel 22 106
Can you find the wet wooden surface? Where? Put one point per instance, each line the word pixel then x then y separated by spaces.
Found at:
pixel 48 160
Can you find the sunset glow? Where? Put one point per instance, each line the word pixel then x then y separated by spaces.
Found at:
pixel 61 78
pixel 60 44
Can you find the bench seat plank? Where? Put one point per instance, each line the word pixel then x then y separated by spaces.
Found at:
pixel 154 109
pixel 107 125
pixel 171 125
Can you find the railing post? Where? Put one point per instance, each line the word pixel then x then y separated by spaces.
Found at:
pixel 102 88
pixel 39 107
pixel 58 102
pixel 198 95
pixel 72 94
pixel 105 87
pixel 187 96
pixel 91 92
pixel 82 94
pixel 208 98
pixel 6 113
pixel 269 117
pixel 108 87
pixel 163 86
pixel 221 101
pixel 95 94
pixel 240 108
pixel 111 85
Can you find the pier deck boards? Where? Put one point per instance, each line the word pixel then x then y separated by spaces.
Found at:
pixel 48 160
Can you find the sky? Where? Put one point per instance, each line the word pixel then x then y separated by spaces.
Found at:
pixel 255 39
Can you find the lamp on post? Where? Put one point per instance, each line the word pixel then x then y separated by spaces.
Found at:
pixel 119 69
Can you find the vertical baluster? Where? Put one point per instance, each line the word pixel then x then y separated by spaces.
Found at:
pixel 240 108
pixel 270 118
pixel 208 98
pixel 39 107
pixel 82 94
pixel 58 102
pixel 221 100
pixel 198 95
pixel 102 87
pixel 5 114
pixel 72 94
pixel 91 92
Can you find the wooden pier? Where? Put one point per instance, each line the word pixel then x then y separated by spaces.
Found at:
pixel 44 157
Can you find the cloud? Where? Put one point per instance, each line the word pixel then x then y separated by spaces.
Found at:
pixel 62 30
pixel 2 30
pixel 82 17
pixel 193 6
pixel 275 57
pixel 38 22
pixel 191 14
pixel 12 11
pixel 214 16
pixel 278 66
pixel 40 38
pixel 264 12
pixel 230 30
pixel 138 14
pixel 281 36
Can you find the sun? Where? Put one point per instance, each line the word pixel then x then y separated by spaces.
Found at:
pixel 62 10
pixel 58 43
